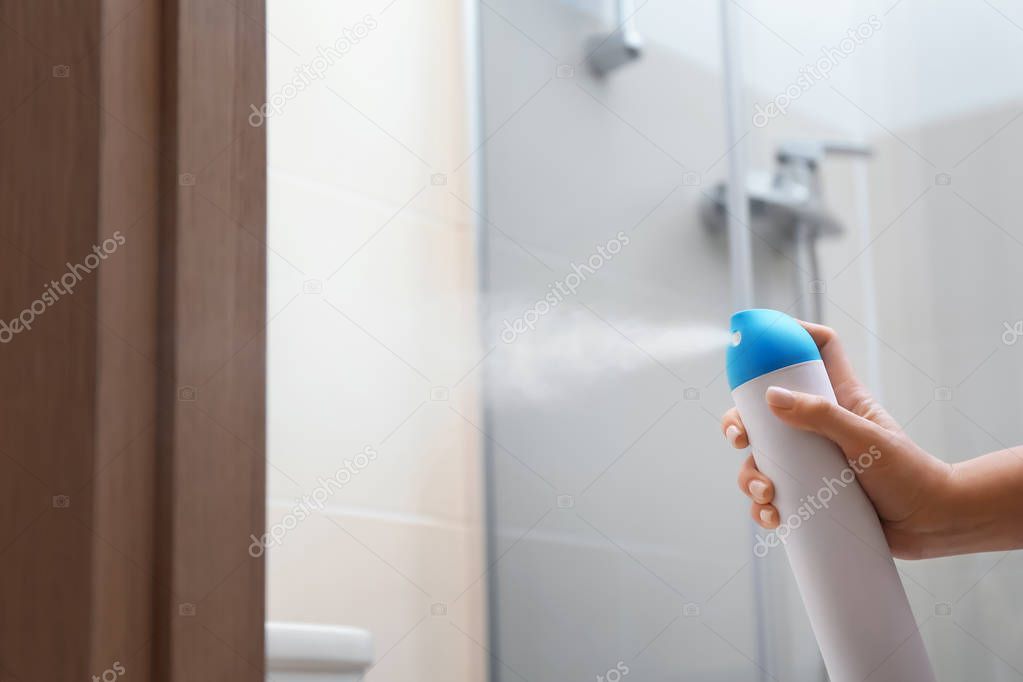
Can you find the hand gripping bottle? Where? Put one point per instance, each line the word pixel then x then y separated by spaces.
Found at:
pixel 837 551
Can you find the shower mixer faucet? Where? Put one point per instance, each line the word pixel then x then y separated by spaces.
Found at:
pixel 788 196
pixel 799 164
pixel 787 208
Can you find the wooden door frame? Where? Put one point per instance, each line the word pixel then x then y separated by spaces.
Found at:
pixel 132 425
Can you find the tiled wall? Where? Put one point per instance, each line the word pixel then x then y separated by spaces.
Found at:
pixel 614 497
pixel 373 333
pixel 622 536
pixel 655 522
pixel 949 271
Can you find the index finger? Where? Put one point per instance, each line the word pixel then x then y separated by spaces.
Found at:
pixel 840 369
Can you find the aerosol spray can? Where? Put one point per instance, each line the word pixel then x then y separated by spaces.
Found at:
pixel 836 548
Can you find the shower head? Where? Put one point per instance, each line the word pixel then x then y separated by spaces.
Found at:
pixel 624 45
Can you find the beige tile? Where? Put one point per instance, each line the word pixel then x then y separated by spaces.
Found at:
pixel 385 117
pixel 414 55
pixel 317 227
pixel 391 343
pixel 413 287
pixel 367 174
pixel 384 576
pixel 322 367
pixel 429 468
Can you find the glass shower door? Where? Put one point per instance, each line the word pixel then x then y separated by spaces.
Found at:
pixel 619 546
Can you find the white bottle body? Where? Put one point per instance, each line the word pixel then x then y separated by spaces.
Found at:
pixel 836 548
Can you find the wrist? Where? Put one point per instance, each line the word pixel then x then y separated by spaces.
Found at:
pixel 948 521
pixel 980 504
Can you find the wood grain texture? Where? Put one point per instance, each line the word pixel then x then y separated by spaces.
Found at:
pixel 212 478
pixel 132 423
pixel 49 151
pixel 127 318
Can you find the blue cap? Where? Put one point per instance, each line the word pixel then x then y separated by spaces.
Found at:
pixel 763 341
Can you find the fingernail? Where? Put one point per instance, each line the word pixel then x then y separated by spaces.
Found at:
pixel 757 489
pixel 767 516
pixel 732 433
pixel 780 397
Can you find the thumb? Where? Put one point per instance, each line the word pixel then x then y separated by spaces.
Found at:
pixel 817 414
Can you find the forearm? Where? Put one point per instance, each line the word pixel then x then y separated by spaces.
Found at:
pixel 985 504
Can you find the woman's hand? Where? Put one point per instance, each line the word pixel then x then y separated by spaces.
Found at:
pixel 912 491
